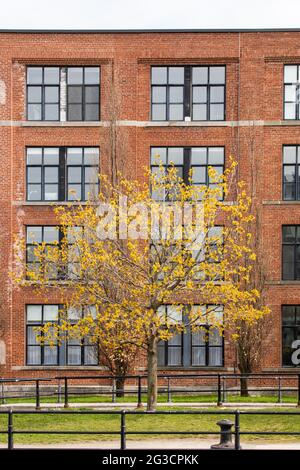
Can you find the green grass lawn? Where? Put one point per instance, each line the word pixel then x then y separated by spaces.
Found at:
pixel 141 423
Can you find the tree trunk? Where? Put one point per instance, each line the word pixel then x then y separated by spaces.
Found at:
pixel 120 385
pixel 152 374
pixel 244 387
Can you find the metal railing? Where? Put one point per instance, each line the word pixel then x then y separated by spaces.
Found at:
pixel 124 432
pixel 220 385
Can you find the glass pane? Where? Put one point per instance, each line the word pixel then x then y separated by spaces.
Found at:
pixel 290 74
pixel 174 314
pixel 175 155
pixel 51 156
pixel 51 112
pixel 215 356
pixel 289 154
pixel 90 355
pixel 199 174
pixel 34 174
pixel 290 93
pixel 34 156
pixel 159 94
pixel 157 154
pixel 74 355
pixel 51 75
pixel 199 94
pixel 91 156
pixel 289 191
pixel 199 112
pixel 174 356
pixel 215 155
pixel 75 75
pixel 289 111
pixel 198 356
pixel 75 112
pixel 34 75
pixel 92 112
pixel 176 112
pixel 90 191
pixel 158 75
pixel 32 336
pixel 51 192
pixel 51 94
pixel 34 313
pixel 50 355
pixel 215 339
pixel 91 174
pixel 34 94
pixel 51 174
pixel 289 174
pixel 159 112
pixel 74 94
pixel 33 355
pixel 34 234
pixel 198 338
pixel 92 75
pixel 34 192
pixel 216 112
pixel 176 94
pixel 34 112
pixel 74 174
pixel 288 315
pixel 200 75
pixel 74 156
pixel 74 313
pixel 176 75
pixel 217 75
pixel 289 233
pixel 92 94
pixel 161 353
pixel 51 234
pixel 217 94
pixel 199 156
pixel 74 192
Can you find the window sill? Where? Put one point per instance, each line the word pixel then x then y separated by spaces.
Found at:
pixel 283 283
pixel 196 368
pixel 62 123
pixel 72 368
pixel 49 203
pixel 280 203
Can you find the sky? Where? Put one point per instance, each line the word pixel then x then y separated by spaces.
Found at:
pixel 149 14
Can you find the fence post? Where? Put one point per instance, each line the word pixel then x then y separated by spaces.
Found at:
pixel 59 391
pixel 37 395
pixel 2 394
pixel 113 391
pixel 224 390
pixel 123 430
pixel 298 389
pixel 140 402
pixel 10 438
pixel 66 404
pixel 219 402
pixel 169 391
pixel 237 440
pixel 279 399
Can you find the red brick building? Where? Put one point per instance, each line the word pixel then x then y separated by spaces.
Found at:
pixel 214 94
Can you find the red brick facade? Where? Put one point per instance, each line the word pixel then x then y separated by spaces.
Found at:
pixel 254 119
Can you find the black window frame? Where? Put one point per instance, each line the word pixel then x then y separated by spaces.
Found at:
pixel 83 94
pixel 43 85
pixel 296 165
pixel 294 244
pixel 188 93
pixel 297 85
pixel 34 245
pixel 294 326
pixel 63 183
pixel 62 350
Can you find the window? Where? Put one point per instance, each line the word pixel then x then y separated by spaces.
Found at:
pixel 43 93
pixel 83 93
pixel 291 252
pixel 291 91
pixel 62 173
pixel 290 332
pixel 194 92
pixel 291 173
pixel 49 89
pixel 68 352
pixel 203 348
pixel 39 234
pixel 197 159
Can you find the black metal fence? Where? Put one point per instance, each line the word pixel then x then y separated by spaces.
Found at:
pixel 218 385
pixel 123 432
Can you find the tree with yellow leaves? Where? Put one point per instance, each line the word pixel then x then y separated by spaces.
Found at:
pixel 140 247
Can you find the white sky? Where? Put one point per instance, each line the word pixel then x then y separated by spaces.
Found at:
pixel 149 14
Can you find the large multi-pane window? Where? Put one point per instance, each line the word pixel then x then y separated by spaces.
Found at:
pixel 73 352
pixel 43 86
pixel 62 173
pixel 291 173
pixel 194 92
pixel 291 91
pixel 49 236
pixel 290 332
pixel 203 347
pixel 60 93
pixel 291 252
pixel 184 159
